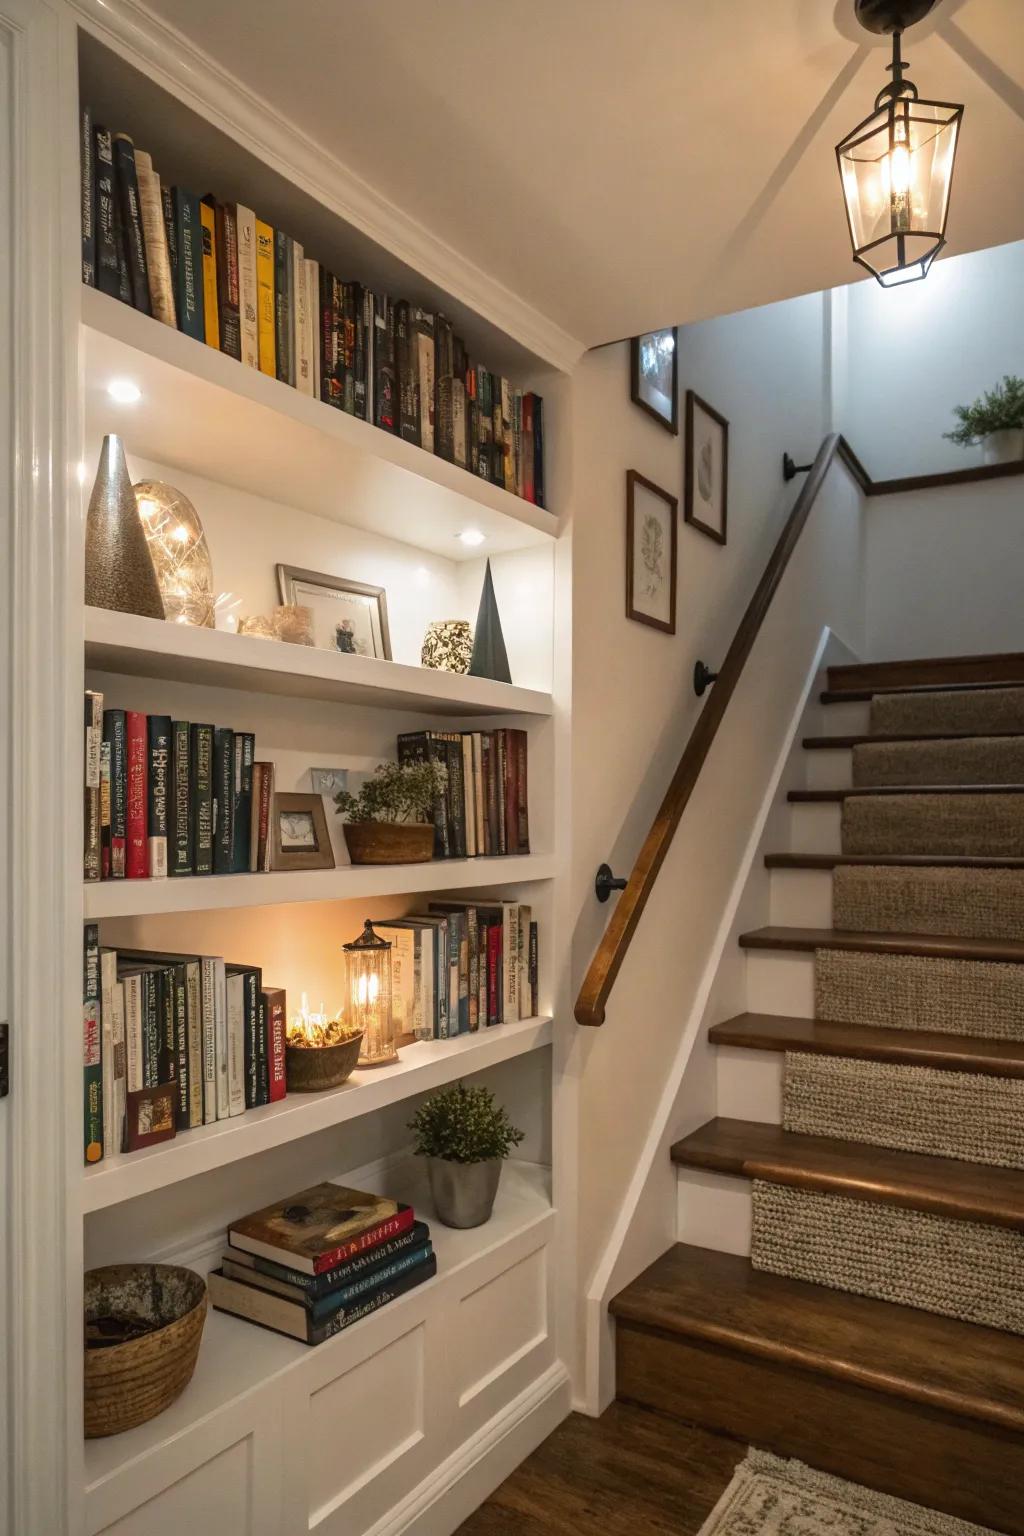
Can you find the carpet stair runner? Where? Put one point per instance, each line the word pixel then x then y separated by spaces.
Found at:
pixel 892 1195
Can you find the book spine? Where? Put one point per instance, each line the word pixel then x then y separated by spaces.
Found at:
pixel 208 237
pixel 313 323
pixel 248 287
pixel 392 1227
pixel 262 1056
pixel 235 1043
pixel 265 310
pixel 444 445
pixel 364 1264
pixel 152 1033
pixel 91 1045
pixel 534 971
pixel 494 989
pixel 208 1007
pixel 325 336
pixel 263 846
pixel 133 1033
pixel 303 349
pixel 137 835
pixel 348 346
pixel 194 1045
pixel 295 261
pixel 189 240
pixel 223 798
pixel 201 786
pixel 277 1023
pixel 517 441
pixel 511 793
pixel 154 233
pixel 178 988
pixel 423 326
pixel 127 182
pixel 485 424
pixel 158 798
pixel 221 1041
pixel 119 1087
pixel 507 442
pixel 343 1296
pixel 92 861
pixel 108 275
pixel 282 310
pixel 241 818
pixel 319 1333
pixel 520 743
pixel 510 960
pixel 228 292
pixel 250 1041
pixel 180 830
pixel 385 389
pixel 529 490
pixel 87 171
pixel 456 795
pixel 407 365
pixel 171 241
pixel 539 492
pixel 104 810
pixel 359 351
pixel 500 771
pixel 116 738
pixel 460 441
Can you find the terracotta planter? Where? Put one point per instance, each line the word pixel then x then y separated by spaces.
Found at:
pixel 311 1069
pixel 389 842
pixel 128 1383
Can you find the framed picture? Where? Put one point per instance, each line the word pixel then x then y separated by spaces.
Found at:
pixel 328 781
pixel 300 836
pixel 705 501
pixel 348 616
pixel 654 376
pixel 652 535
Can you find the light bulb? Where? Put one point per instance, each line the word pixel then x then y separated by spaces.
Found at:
pixel 124 391
pixel 472 536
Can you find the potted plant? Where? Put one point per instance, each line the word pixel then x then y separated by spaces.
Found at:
pixel 390 820
pixel 996 420
pixel 465 1137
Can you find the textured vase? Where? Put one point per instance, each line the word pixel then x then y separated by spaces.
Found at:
pixel 119 570
pixel 447 645
pixel 490 658
pixel 179 551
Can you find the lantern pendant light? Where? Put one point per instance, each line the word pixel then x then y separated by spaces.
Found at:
pixel 896 166
pixel 368 983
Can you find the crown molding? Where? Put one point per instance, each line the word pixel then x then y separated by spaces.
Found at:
pixel 171 59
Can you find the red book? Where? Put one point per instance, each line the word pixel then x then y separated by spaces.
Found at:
pixel 529 487
pixel 494 988
pixel 136 826
pixel 277 1018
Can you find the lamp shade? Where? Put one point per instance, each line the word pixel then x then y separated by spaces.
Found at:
pixel 368 966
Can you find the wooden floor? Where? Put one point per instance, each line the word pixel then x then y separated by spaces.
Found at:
pixel 630 1471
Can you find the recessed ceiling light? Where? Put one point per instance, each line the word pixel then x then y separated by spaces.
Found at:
pixel 472 536
pixel 124 391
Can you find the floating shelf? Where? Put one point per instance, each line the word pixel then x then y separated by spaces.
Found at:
pixel 208 893
pixel 137 647
pixel 209 414
pixel 420 1068
pixel 237 1357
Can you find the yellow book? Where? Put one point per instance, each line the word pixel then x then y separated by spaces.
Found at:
pixel 211 320
pixel 265 297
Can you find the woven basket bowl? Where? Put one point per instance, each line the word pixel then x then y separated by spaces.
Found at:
pixel 129 1383
pixel 311 1069
pixel 389 842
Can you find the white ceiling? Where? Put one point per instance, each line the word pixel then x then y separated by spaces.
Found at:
pixel 623 164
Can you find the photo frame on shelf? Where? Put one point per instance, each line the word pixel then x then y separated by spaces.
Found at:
pixel 652 540
pixel 706 472
pixel 300 836
pixel 348 616
pixel 654 376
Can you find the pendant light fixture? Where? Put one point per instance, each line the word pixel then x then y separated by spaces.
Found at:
pixel 897 165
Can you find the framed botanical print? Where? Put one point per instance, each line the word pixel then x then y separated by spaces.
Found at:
pixel 652 534
pixel 348 616
pixel 706 489
pixel 654 376
pixel 299 835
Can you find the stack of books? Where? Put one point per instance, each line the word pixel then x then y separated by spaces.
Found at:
pixel 321 1260
pixel 462 966
pixel 222 275
pixel 169 797
pixel 484 809
pixel 172 1042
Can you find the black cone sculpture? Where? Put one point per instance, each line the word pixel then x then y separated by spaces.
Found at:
pixel 490 658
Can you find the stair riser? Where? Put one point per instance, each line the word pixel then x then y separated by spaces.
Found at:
pixel 829 770
pixel 780 983
pixel 845 719
pixel 816 827
pixel 714 1210
pixel 748 1084
pixel 894 1444
pixel 801 898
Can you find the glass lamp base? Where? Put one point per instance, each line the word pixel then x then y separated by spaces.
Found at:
pixel 378 1061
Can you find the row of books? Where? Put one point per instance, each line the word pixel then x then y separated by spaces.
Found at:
pixel 320 1260
pixel 227 278
pixel 173 1042
pixel 462 966
pixel 170 797
pixel 484 808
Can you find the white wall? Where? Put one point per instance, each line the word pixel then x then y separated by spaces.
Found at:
pixel 914 352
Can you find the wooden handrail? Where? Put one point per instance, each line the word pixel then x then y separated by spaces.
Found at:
pixel 610 953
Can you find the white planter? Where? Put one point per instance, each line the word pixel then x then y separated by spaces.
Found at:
pixel 1003 447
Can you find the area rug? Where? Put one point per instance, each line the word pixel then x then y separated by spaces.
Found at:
pixel 772 1497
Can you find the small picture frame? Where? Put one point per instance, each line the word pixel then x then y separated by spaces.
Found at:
pixel 300 836
pixel 706 488
pixel 652 537
pixel 348 616
pixel 654 376
pixel 328 781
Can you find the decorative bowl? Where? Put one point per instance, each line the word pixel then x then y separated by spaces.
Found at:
pixel 132 1379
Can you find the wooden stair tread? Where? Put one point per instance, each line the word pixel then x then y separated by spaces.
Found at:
pixel 945 946
pixel 893 860
pixel 865 695
pixel 869 1042
pixel 844 743
pixel 718 1298
pixel 754 1150
pixel 836 796
pixel 924 671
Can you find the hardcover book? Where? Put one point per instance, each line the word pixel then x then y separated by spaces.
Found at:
pixel 92 852
pixel 223 798
pixel 137 841
pixel 423 328
pixel 91 1048
pixel 154 232
pixel 87 150
pixel 108 271
pixel 201 787
pixel 444 442
pixel 211 316
pixel 171 236
pixel 282 309
pixel 158 789
pixel 294 1319
pixel 319 1227
pixel 228 296
pixel 369 1262
pixel 342 1295
pixel 150 1116
pixel 189 240
pixel 277 1023
pixel 265 313
pixel 241 817
pixel 407 365
pixel 248 291
pixel 127 183
pixel 180 827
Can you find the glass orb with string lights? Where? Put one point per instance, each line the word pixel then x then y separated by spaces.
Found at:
pixel 180 553
pixel 896 166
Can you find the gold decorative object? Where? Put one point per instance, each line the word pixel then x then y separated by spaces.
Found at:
pixel 259 625
pixel 368 966
pixel 119 571
pixel 290 622
pixel 320 1052
pixel 448 645
pixel 179 551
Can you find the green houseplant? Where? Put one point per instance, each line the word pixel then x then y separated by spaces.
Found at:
pixel 390 820
pixel 465 1137
pixel 995 420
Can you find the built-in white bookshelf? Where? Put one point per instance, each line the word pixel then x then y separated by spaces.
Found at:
pixel 427 1404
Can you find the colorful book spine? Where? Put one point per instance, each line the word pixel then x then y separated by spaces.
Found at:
pixel 211 316
pixel 137 834
pixel 87 170
pixel 407 366
pixel 223 799
pixel 248 285
pixel 91 1045
pixel 282 309
pixel 265 311
pixel 189 241
pixel 277 1024
pixel 180 829
pixel 108 273
pixel 92 776
pixel 201 788
pixel 127 184
pixel 171 238
pixel 116 741
pixel 158 793
pixel 228 295
pixel 154 232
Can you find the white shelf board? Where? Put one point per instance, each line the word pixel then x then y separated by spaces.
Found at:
pixel 209 414
pixel 208 893
pixel 138 647
pixel 237 1357
pixel 420 1068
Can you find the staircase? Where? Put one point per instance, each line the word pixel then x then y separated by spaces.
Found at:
pixel 867 1315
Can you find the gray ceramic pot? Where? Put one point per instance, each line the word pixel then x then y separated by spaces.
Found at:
pixel 463 1192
